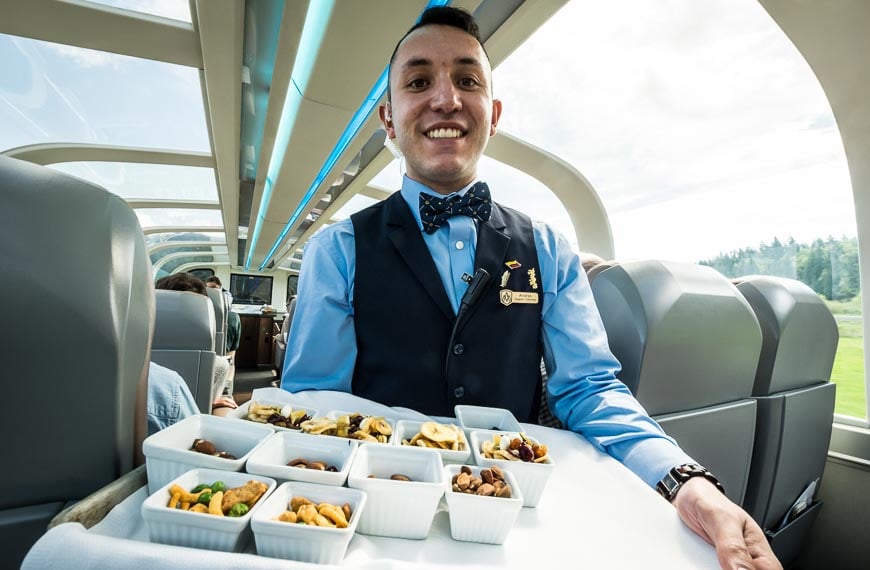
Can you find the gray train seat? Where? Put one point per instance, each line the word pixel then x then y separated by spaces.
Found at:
pixel 599 267
pixel 219 305
pixel 280 339
pixel 75 341
pixel 689 344
pixel 795 404
pixel 184 341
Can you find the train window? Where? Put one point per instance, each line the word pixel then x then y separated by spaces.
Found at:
pixel 707 137
pixel 174 9
pixel 64 94
pixel 133 181
pixel 292 285
pixel 202 272
pixel 251 289
pixel 150 217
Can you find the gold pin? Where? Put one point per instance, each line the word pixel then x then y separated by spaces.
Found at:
pixel 514 264
pixel 533 278
pixel 504 278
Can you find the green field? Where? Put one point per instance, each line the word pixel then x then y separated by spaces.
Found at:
pixel 848 373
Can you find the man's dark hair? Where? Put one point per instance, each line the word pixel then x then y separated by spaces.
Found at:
pixel 181 282
pixel 440 16
pixel 214 279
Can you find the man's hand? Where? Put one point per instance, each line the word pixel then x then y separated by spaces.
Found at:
pixel 739 541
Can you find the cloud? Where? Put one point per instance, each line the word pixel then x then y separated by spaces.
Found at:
pixel 87 58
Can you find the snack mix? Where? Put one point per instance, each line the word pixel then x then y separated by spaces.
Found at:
pixel 438 436
pixel 491 483
pixel 304 511
pixel 515 447
pixel 280 416
pixel 216 499
pixel 208 448
pixel 353 426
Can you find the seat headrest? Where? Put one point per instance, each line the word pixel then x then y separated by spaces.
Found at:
pixel 800 334
pixel 219 303
pixel 78 319
pixel 684 335
pixel 184 321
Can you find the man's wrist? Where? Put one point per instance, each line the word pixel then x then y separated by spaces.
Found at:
pixel 673 481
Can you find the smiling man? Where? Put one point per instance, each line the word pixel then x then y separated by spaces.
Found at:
pixel 438 296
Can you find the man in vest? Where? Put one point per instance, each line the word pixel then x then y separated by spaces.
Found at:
pixel 393 306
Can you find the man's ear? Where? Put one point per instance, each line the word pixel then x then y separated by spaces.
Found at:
pixel 386 115
pixel 496 114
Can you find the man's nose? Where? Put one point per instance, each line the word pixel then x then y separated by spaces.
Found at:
pixel 445 97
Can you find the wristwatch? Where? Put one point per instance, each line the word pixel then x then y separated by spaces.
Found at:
pixel 676 477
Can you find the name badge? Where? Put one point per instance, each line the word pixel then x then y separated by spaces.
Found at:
pixel 508 297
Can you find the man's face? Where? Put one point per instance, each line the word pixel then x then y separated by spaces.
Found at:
pixel 212 285
pixel 441 113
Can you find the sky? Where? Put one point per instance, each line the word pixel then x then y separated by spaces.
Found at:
pixel 698 123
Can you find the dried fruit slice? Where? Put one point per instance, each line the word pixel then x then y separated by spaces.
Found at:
pixel 437 432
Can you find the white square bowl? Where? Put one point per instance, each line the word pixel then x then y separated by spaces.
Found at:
pixel 401 509
pixel 305 543
pixel 474 518
pixel 200 530
pixel 241 413
pixel 531 477
pixel 473 418
pixel 406 429
pixel 168 453
pixel 272 457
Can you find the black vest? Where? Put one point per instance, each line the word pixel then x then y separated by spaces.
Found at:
pixel 403 317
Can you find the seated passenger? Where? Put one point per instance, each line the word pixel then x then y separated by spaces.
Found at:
pixel 222 385
pixel 169 398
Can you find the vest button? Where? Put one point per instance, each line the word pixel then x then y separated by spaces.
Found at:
pixel 459 392
pixel 458 349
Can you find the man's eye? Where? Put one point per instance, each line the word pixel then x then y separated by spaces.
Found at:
pixel 417 83
pixel 467 82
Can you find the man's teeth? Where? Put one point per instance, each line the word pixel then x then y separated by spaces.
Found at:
pixel 444 134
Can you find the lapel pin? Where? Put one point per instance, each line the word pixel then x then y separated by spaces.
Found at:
pixel 514 264
pixel 533 278
pixel 504 278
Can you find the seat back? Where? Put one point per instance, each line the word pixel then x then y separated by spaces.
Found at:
pixel 795 400
pixel 218 301
pixel 689 345
pixel 75 343
pixel 280 348
pixel 184 341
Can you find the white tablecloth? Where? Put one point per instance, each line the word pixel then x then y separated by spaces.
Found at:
pixel 594 514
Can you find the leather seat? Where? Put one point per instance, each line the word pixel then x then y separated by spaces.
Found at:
pixel 795 403
pixel 219 305
pixel 689 344
pixel 75 342
pixel 184 341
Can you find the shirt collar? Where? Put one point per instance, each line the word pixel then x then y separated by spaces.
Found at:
pixel 411 190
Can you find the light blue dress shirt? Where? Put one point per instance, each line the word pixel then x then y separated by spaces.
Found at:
pixel 169 398
pixel 583 390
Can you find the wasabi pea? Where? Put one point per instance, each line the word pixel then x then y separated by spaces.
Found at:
pixel 218 486
pixel 238 510
pixel 205 497
pixel 200 487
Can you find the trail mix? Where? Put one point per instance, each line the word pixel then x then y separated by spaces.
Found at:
pixel 216 499
pixel 208 448
pixel 491 483
pixel 438 436
pixel 276 415
pixel 354 426
pixel 515 447
pixel 304 511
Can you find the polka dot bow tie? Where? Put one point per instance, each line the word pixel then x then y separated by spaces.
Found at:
pixel 475 204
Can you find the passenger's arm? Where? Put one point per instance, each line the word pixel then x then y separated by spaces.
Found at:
pixel 321 346
pixel 583 390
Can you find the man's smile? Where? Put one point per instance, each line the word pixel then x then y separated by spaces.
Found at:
pixel 442 133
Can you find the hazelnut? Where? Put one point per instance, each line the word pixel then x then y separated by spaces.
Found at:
pixel 399 477
pixel 487 476
pixel 486 490
pixel 204 446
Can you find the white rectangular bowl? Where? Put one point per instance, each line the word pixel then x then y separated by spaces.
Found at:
pixel 475 518
pixel 272 457
pixel 305 543
pixel 531 477
pixel 200 530
pixel 168 453
pixel 401 509
pixel 473 418
pixel 406 429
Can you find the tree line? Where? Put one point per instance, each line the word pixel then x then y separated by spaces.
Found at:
pixel 829 267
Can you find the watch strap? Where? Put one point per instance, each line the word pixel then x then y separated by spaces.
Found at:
pixel 674 479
